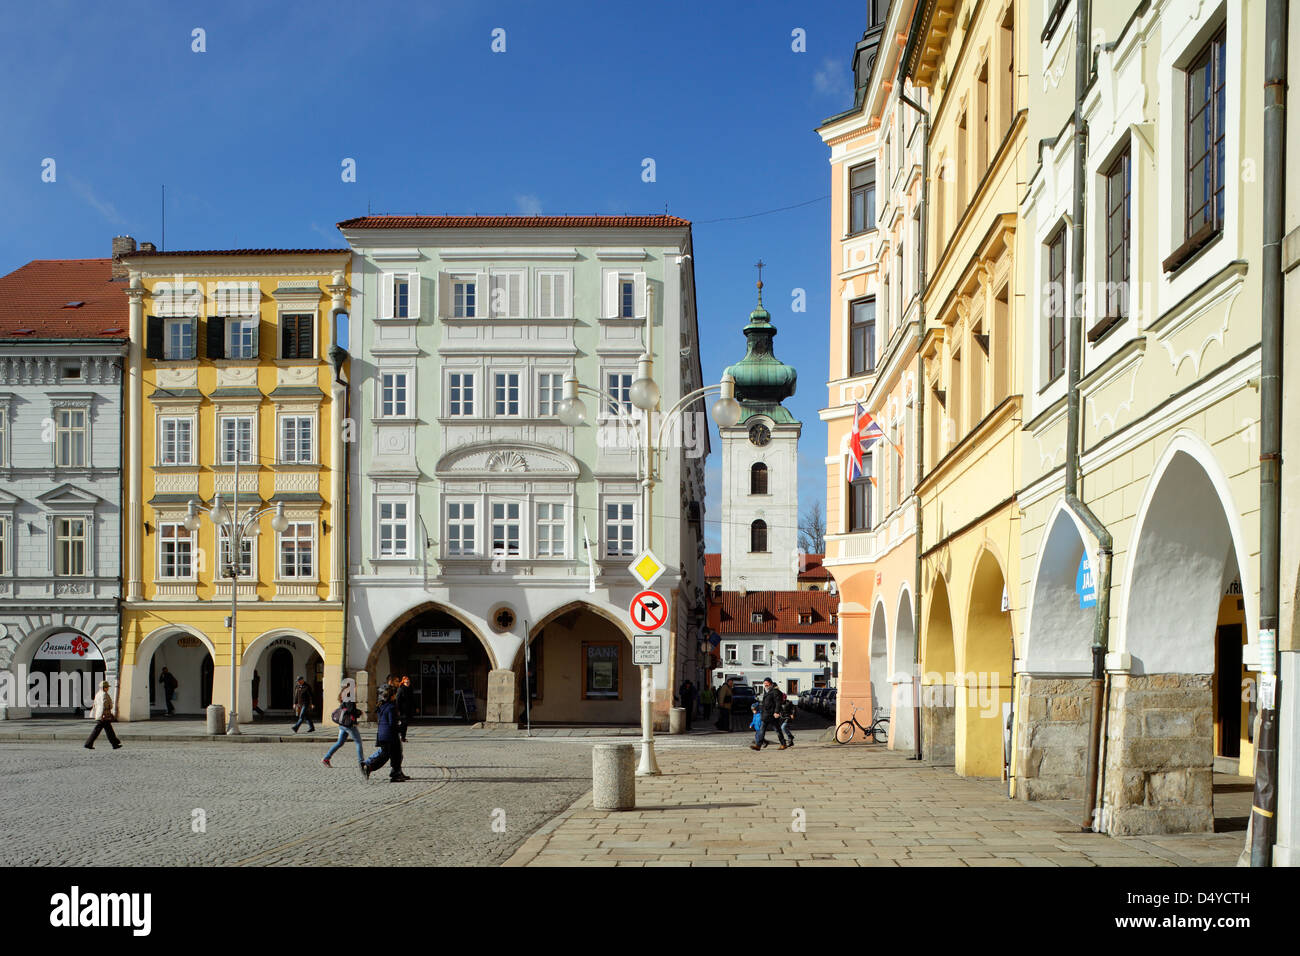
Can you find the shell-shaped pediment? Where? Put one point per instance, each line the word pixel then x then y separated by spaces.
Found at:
pixel 489 459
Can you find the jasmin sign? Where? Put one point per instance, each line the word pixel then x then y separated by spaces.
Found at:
pixel 68 647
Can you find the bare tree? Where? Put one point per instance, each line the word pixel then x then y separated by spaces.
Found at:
pixel 812 530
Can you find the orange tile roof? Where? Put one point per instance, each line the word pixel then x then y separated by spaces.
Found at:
pixel 732 612
pixel 813 569
pixel 514 222
pixel 235 252
pixel 35 301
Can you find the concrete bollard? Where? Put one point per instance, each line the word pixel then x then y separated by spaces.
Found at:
pixel 677 720
pixel 216 719
pixel 613 777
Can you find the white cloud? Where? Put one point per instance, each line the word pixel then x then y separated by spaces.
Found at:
pixel 831 78
pixel 528 205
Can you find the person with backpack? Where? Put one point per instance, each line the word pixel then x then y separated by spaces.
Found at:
pixel 302 704
pixel 347 716
pixel 786 716
pixel 771 704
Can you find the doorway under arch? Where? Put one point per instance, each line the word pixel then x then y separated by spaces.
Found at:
pixel 580 669
pixel 189 661
pixel 879 662
pixel 984 684
pixel 445 658
pixel 902 723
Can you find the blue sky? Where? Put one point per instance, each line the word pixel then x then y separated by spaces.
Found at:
pixel 249 135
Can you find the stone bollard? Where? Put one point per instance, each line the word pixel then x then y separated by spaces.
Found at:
pixel 216 718
pixel 613 777
pixel 677 720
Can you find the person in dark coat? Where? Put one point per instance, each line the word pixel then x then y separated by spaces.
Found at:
pixel 169 684
pixel 302 702
pixel 257 688
pixel 770 709
pixel 724 706
pixel 686 694
pixel 388 741
pixel 405 703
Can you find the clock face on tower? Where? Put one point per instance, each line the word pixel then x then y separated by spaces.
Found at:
pixel 759 434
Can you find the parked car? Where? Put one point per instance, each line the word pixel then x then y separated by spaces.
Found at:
pixel 742 698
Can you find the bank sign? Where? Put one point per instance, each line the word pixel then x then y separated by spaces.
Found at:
pixel 1084 586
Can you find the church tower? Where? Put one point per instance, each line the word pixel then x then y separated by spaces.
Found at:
pixel 760 468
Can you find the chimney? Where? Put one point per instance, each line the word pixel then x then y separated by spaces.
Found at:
pixel 122 246
pixel 148 247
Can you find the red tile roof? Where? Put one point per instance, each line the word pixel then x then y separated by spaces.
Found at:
pixel 35 301
pixel 514 222
pixel 732 612
pixel 235 252
pixel 813 569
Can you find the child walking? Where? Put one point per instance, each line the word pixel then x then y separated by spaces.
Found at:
pixel 757 723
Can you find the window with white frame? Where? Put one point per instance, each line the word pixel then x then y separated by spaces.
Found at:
pixel 460 393
pixel 506 294
pixel 755 617
pixel 552 295
pixel 236 439
pixel 506 523
pixel 178 338
pixel 462 528
pixel 619 387
pixel 401 297
pixel 70 437
pixel 623 295
pixel 297 439
pixel 505 393
pixel 298 550
pixel 394 529
pixel 69 546
pixel 175 551
pixel 4 545
pixel 626 297
pixel 175 441
pixel 756 654
pixel 241 337
pixel 393 394
pixel 550 390
pixel 4 434
pixel 620 529
pixel 731 653
pixel 464 297
pixel 224 560
pixel 551 537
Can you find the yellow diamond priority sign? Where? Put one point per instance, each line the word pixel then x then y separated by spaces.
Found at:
pixel 646 568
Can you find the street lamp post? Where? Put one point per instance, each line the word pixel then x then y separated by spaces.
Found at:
pixel 237 529
pixel 645 394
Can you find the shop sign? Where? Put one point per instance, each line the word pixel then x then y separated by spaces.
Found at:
pixel 288 642
pixel 189 640
pixel 438 635
pixel 1084 586
pixel 69 647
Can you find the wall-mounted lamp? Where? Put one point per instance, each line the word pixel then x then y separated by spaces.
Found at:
pixel 148 528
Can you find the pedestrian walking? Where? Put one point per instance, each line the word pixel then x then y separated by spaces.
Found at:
pixel 785 716
pixel 257 686
pixel 707 697
pixel 724 706
pixel 387 740
pixel 686 693
pixel 771 704
pixel 756 723
pixel 169 685
pixel 302 702
pixel 102 713
pixel 405 702
pixel 347 716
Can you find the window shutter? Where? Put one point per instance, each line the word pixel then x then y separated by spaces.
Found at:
pixel 515 294
pixel 561 303
pixel 217 337
pixel 153 337
pixel 444 295
pixel 257 338
pixel 386 295
pixel 286 336
pixel 609 307
pixel 413 295
pixel 640 296
pixel 545 292
pixel 498 295
pixel 482 299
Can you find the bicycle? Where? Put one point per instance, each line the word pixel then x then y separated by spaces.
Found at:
pixel 878 730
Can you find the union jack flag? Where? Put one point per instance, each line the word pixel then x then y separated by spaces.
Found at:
pixel 865 434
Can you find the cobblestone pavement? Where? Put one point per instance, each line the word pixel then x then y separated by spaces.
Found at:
pixel 275 804
pixel 860 806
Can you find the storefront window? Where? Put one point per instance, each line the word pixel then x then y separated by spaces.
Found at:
pixel 600 664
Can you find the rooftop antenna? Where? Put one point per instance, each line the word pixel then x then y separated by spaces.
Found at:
pixel 162 240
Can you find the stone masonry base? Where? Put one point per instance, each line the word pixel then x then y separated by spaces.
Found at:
pixel 1052 717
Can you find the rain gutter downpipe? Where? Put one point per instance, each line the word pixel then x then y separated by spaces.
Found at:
pixel 1264 806
pixel 919 398
pixel 1105 543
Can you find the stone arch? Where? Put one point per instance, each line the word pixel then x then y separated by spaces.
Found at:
pixel 410 614
pixel 984 684
pixel 559 642
pixel 938 672
pixel 136 682
pixel 1058 632
pixel 1187 543
pixel 879 659
pixel 247 665
pixel 66 686
pixel 902 722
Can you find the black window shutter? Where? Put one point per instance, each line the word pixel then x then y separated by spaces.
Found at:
pixel 217 337
pixel 153 337
pixel 304 337
pixel 286 336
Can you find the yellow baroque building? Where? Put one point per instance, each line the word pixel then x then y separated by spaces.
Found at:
pixel 969 61
pixel 236 395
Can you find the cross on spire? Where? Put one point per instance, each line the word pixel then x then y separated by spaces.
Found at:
pixel 759 266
